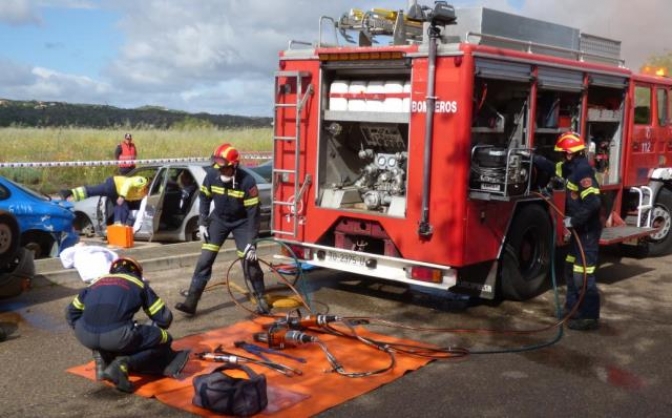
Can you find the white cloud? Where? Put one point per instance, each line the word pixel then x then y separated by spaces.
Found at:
pixel 13 74
pixel 20 81
pixel 643 27
pixel 27 12
pixel 19 12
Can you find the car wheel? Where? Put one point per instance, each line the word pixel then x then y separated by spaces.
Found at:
pixel 20 270
pixel 9 234
pixel 191 231
pixel 84 225
pixel 38 243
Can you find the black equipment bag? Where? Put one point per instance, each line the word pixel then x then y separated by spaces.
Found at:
pixel 228 395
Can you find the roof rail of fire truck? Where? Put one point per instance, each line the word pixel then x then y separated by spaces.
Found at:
pixel 530 46
pixel 293 42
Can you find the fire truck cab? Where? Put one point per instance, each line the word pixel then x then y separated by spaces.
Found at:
pixel 405 153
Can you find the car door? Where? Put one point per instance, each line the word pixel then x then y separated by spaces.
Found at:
pixel 144 218
pixel 644 144
pixel 155 199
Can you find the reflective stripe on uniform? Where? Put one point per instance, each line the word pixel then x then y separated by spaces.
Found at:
pixel 210 247
pixel 251 201
pixel 237 194
pixel 573 187
pixel 131 279
pixel 570 258
pixel 589 190
pixel 164 336
pixel 206 191
pixel 156 306
pixel 578 268
pixel 79 194
pixel 558 169
pixel 77 303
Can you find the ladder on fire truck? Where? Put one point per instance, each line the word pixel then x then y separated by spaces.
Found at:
pixel 294 202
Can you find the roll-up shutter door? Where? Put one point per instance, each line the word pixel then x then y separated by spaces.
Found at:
pixel 501 70
pixel 610 81
pixel 559 79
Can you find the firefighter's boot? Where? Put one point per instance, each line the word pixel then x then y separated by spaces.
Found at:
pixel 177 363
pixel 117 373
pixel 100 364
pixel 255 278
pixel 258 292
pixel 191 301
pixel 263 308
pixel 585 324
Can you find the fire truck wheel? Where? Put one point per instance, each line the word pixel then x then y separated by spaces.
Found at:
pixel 660 243
pixel 526 258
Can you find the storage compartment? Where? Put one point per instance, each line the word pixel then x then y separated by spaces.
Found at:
pixel 498 171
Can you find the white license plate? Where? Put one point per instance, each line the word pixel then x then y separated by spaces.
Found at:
pixel 341 258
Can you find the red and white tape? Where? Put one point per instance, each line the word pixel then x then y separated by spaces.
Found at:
pixel 245 156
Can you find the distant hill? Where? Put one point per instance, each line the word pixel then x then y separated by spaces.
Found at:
pixel 58 114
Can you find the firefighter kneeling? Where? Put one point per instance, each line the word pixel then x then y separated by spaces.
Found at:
pixel 102 317
pixel 582 213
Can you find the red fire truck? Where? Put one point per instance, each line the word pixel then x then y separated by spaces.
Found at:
pixel 402 146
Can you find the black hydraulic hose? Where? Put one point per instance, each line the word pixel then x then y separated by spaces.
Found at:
pixel 558 314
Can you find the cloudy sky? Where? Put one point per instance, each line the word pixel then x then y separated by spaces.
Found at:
pixel 219 56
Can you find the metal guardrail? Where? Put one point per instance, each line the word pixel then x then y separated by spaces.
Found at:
pixel 579 55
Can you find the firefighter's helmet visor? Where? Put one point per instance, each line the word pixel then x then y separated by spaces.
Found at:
pixel 220 162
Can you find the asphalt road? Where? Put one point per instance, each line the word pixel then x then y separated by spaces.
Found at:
pixel 622 370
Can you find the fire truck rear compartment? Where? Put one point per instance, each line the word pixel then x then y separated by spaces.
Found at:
pixel 360 235
pixel 363 167
pixel 364 136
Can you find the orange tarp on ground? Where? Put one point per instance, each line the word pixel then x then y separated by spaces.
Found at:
pixel 316 390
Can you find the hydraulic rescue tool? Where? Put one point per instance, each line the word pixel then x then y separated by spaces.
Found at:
pixel 221 356
pixel 260 351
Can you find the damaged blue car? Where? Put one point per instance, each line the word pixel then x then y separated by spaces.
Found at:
pixel 46 224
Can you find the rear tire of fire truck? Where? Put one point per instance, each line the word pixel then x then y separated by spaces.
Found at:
pixel 660 243
pixel 526 259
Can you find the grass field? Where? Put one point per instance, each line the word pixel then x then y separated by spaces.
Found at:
pixel 72 144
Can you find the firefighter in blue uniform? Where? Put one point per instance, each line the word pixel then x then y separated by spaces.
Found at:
pixel 102 317
pixel 121 190
pixel 582 213
pixel 236 211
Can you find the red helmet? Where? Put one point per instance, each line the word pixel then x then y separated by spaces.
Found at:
pixel 225 155
pixel 570 142
pixel 126 265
